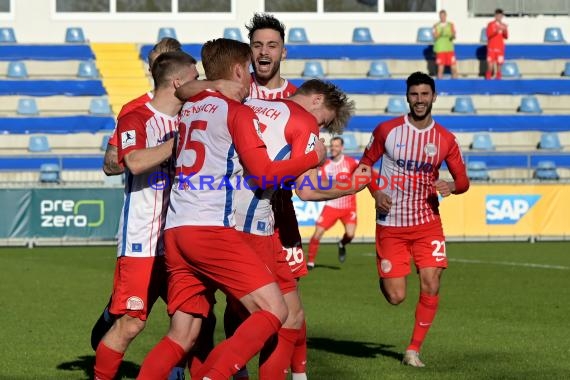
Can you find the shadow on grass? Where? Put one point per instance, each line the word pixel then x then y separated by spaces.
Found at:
pixel 352 348
pixel 324 266
pixel 86 363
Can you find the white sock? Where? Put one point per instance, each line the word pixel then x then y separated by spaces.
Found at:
pixel 299 376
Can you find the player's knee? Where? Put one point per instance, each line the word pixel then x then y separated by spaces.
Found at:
pixel 295 318
pixel 394 296
pixel 130 327
pixel 279 309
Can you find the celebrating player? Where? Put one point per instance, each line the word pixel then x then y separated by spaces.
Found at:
pixel 408 222
pixel 497 33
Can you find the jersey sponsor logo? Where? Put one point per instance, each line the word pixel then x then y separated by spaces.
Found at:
pixel 508 209
pixel 136 247
pixel 307 212
pixel 128 138
pixel 400 145
pixel 57 213
pixel 415 166
pixel 430 149
pixel 311 143
pixel 385 265
pixel 135 303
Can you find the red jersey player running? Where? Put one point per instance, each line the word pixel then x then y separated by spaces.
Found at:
pixel 343 209
pixel 408 223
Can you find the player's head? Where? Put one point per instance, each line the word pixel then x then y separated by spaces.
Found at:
pixel 173 69
pixel 224 58
pixel 267 40
pixel 165 45
pixel 420 94
pixel 499 14
pixel 442 15
pixel 328 104
pixel 336 146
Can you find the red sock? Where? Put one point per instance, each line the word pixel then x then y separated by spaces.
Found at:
pixel 204 344
pixel 313 249
pixel 345 240
pixel 499 74
pixel 229 356
pixel 488 75
pixel 274 360
pixel 299 359
pixel 161 359
pixel 425 313
pixel 107 362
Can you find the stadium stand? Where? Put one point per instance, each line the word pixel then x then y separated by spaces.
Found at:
pixel 99 106
pixel 549 141
pixel 397 105
pixel 313 69
pixel 483 37
pixel 510 69
pixel 17 70
pixel 546 170
pixel 87 70
pixel 75 35
pixel 38 144
pixel 50 173
pixel 477 171
pixel 165 32
pixel 378 69
pixel 362 35
pixel 482 141
pixel 27 107
pixel 425 35
pixel 297 36
pixel 463 104
pixel 553 35
pixel 529 104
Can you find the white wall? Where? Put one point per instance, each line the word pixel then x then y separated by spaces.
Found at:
pixel 36 22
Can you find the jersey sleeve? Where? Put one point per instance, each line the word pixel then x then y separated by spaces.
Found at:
pixel 375 148
pixel 456 166
pixel 113 140
pixel 491 29
pixel 131 135
pixel 301 133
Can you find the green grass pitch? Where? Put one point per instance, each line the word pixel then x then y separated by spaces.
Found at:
pixel 503 314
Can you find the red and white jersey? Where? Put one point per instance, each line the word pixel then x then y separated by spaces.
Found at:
pixel 146 196
pixel 288 131
pixel 257 91
pixel 411 159
pixel 213 130
pixel 331 169
pixel 125 109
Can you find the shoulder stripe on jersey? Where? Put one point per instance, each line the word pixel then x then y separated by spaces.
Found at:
pixel 259 192
pixel 129 181
pixel 229 191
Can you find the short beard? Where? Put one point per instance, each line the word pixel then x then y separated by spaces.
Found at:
pixel 420 118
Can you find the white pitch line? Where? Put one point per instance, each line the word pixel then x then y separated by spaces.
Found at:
pixel 507 263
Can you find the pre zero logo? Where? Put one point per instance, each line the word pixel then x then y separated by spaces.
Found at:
pixel 508 209
pixel 70 213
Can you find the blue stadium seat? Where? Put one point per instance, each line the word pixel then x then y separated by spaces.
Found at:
pixel 566 71
pixel 549 141
pixel 105 142
pixel 99 106
pixel 50 173
pixel 313 69
pixel 362 35
pixel 28 107
pixel 482 141
pixel 7 36
pixel 350 142
pixel 477 170
pixel 166 32
pixel 75 35
pixel 87 69
pixel 425 35
pixel 297 36
pixel 232 34
pixel 38 144
pixel 378 69
pixel 546 170
pixel 463 104
pixel 483 37
pixel 510 70
pixel 17 70
pixel 529 104
pixel 397 105
pixel 553 35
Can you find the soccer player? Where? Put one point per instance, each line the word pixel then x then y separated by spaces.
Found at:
pixel 146 137
pixel 497 33
pixel 218 136
pixel 444 34
pixel 408 222
pixel 343 209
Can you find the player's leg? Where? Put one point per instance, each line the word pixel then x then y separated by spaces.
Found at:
pixel 500 61
pixel 326 220
pixel 440 68
pixel 234 314
pixel 204 343
pixel 490 65
pixel 393 261
pixel 453 65
pixel 348 219
pixel 102 325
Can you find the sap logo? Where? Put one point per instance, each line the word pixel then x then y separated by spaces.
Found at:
pixel 307 212
pixel 415 166
pixel 508 209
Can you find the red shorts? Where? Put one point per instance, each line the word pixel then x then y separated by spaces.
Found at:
pixel 496 55
pixel 137 284
pixel 200 259
pixel 330 215
pixel 446 58
pixel 270 251
pixel 396 245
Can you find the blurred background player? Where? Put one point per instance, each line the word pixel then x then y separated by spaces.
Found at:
pixel 444 34
pixel 147 136
pixel 343 209
pixel 497 33
pixel 408 223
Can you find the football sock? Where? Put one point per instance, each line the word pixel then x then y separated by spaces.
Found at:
pixel 107 362
pixel 488 75
pixel 161 359
pixel 425 313
pixel 313 249
pixel 345 240
pixel 274 360
pixel 299 359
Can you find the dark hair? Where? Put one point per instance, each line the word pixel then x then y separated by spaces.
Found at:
pixel 334 98
pixel 499 11
pixel 221 54
pixel 165 45
pixel 168 65
pixel 265 21
pixel 419 78
pixel 339 139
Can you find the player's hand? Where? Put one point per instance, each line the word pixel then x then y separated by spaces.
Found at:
pixel 444 188
pixel 383 201
pixel 321 150
pixel 232 89
pixel 361 177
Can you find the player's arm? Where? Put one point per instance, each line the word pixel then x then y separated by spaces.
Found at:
pixel 505 32
pixel 456 166
pixel 111 164
pixel 231 89
pixel 452 30
pixel 435 30
pixel 309 187
pixel 492 30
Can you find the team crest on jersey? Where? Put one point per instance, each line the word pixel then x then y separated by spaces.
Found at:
pixel 386 265
pixel 370 142
pixel 135 303
pixel 257 126
pixel 430 149
pixel 128 138
pixel 311 143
